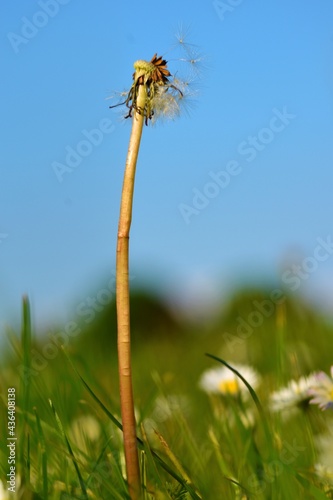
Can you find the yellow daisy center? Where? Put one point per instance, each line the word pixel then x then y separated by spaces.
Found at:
pixel 229 386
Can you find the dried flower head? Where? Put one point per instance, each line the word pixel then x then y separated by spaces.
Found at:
pixel 165 93
pixel 155 71
pixel 154 75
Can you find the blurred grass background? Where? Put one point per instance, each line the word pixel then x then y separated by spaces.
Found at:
pixel 168 355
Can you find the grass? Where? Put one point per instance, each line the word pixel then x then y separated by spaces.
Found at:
pixel 191 444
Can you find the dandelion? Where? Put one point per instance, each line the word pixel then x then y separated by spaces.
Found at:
pixel 295 395
pixel 155 92
pixel 161 94
pixel 223 381
pixel 166 94
pixel 322 391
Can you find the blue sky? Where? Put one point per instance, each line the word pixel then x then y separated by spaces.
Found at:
pixel 262 123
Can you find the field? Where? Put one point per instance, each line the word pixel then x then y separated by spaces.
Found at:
pixel 202 432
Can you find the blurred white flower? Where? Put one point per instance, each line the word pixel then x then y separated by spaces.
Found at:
pixel 168 406
pixel 4 494
pixel 84 431
pixel 322 391
pixel 294 395
pixel 324 466
pixel 324 472
pixel 223 381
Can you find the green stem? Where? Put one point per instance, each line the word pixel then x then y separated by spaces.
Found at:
pixel 123 307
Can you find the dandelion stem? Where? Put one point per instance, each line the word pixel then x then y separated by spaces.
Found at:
pixel 123 307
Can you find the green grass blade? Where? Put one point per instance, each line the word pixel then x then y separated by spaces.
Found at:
pixel 253 395
pixel 116 495
pixel 26 350
pixel 25 388
pixel 70 451
pixel 222 463
pixel 43 453
pixel 163 464
pixel 174 460
pixel 150 458
pixel 143 474
pixel 311 488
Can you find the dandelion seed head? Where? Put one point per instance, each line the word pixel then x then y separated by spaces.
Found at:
pixel 166 105
pixel 167 94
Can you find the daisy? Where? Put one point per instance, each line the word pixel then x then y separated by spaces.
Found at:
pixel 296 394
pixel 223 381
pixel 322 391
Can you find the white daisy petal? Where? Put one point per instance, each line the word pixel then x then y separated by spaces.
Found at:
pixel 293 395
pixel 322 391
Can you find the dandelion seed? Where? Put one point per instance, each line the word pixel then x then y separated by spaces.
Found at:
pixel 224 381
pixel 322 391
pixel 194 58
pixel 181 34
